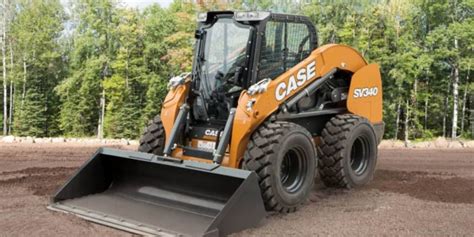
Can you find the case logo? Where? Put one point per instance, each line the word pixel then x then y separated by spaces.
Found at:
pixel 304 74
pixel 211 132
pixel 365 92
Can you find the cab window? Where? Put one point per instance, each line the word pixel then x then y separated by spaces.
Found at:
pixel 284 45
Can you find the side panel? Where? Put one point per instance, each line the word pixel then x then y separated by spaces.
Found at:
pixel 280 89
pixel 365 93
pixel 320 62
pixel 170 108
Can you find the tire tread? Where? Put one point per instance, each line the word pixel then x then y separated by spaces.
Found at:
pixel 258 158
pixel 331 149
pixel 153 138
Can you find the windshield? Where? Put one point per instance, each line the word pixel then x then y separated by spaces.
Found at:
pixel 224 53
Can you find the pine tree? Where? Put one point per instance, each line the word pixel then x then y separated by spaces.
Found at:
pixel 36 28
pixel 93 51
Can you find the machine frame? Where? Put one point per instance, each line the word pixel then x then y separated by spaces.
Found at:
pixel 253 109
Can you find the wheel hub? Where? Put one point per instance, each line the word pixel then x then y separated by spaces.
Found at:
pixel 292 170
pixel 360 155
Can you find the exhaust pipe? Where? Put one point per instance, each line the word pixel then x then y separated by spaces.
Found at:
pixel 153 195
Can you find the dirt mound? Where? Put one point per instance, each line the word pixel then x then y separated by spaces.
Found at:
pixel 440 187
pixel 41 181
pixel 46 140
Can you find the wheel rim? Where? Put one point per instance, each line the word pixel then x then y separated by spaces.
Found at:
pixel 292 170
pixel 360 155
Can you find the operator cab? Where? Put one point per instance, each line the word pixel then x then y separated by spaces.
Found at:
pixel 237 49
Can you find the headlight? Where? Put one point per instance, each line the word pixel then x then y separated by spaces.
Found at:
pixel 259 87
pixel 177 80
pixel 202 17
pixel 251 16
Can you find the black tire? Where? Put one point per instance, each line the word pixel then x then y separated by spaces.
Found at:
pixel 284 157
pixel 348 152
pixel 153 138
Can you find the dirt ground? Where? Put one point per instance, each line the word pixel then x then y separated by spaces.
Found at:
pixel 414 193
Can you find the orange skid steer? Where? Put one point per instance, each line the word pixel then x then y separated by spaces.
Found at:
pixel 244 133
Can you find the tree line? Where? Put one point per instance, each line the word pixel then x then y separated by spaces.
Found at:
pixel 98 68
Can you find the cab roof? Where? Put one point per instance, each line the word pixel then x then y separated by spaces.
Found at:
pixel 249 16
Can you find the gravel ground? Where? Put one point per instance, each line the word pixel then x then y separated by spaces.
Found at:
pixel 415 192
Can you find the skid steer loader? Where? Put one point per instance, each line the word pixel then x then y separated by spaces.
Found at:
pixel 263 110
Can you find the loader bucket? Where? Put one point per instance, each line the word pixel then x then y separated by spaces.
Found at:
pixel 151 195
